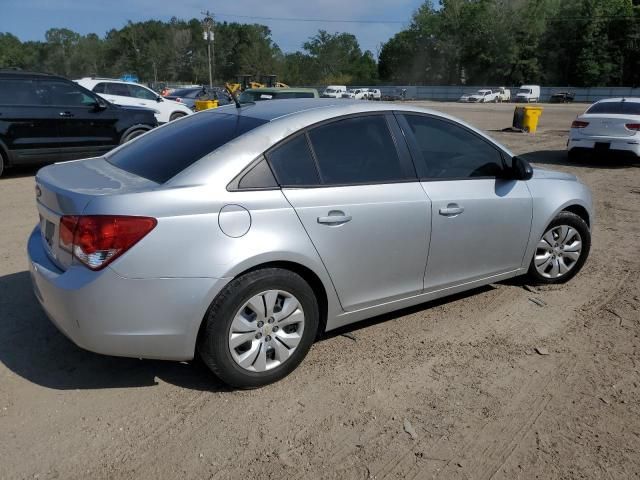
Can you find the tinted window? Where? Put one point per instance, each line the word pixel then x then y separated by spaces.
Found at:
pixel 293 164
pixel 451 151
pixel 357 150
pixel 259 176
pixel 120 89
pixel 140 92
pixel 58 92
pixel 616 108
pixel 100 88
pixel 187 93
pixel 18 92
pixel 165 152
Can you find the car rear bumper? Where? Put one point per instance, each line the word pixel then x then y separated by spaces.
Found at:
pixel 112 315
pixel 629 145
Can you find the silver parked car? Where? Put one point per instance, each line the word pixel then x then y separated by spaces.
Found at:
pixel 278 221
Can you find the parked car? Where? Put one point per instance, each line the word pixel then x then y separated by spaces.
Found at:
pixel 356 94
pixel 608 126
pixel 275 93
pixel 465 97
pixel 121 92
pixel 334 91
pixel 188 96
pixel 374 94
pixel 278 221
pixel 528 94
pixel 562 97
pixel 484 96
pixel 45 118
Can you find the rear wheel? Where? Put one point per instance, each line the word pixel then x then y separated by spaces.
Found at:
pixel 176 115
pixel 562 250
pixel 259 328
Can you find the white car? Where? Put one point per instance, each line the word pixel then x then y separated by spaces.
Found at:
pixel 374 94
pixel 356 94
pixel 483 96
pixel 611 125
pixel 133 94
pixel 334 91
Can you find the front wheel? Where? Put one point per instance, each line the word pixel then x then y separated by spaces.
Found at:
pixel 259 328
pixel 131 135
pixel 562 250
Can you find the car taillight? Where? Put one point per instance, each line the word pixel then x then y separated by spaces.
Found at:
pixel 97 240
pixel 579 124
pixel 633 126
pixel 179 100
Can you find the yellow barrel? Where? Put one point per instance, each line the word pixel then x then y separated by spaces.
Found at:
pixel 205 104
pixel 531 118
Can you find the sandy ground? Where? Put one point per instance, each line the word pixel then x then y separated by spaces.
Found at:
pixel 461 375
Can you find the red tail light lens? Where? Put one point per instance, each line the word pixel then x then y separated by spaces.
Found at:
pixel 579 124
pixel 97 240
pixel 633 126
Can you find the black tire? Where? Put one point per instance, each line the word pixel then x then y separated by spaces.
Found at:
pixel 572 220
pixel 176 115
pixel 131 135
pixel 2 163
pixel 213 345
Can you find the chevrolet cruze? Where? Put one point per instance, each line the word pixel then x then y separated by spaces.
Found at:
pixel 278 221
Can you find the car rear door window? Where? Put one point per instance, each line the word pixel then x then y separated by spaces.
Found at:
pixel 357 150
pixel 293 163
pixel 450 151
pixel 19 91
pixel 119 89
pixel 164 152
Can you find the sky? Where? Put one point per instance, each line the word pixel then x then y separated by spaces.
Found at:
pixel 30 19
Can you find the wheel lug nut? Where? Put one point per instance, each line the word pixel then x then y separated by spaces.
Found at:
pixel 258 335
pixel 271 320
pixel 268 338
pixel 260 324
pixel 275 328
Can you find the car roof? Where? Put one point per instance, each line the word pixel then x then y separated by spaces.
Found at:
pixel 25 74
pixel 280 89
pixel 620 99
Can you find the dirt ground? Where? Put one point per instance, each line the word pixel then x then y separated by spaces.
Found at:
pixel 452 389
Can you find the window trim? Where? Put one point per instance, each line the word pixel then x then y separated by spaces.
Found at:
pixel 416 154
pixel 404 156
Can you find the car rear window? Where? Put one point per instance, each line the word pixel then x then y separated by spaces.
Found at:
pixel 616 108
pixel 163 153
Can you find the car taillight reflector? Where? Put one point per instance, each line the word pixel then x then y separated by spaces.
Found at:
pixel 633 126
pixel 97 240
pixel 579 124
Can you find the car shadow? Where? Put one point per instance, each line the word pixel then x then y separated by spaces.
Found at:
pixel 20 172
pixel 559 157
pixel 30 346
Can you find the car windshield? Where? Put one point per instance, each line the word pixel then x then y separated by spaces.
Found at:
pixel 616 108
pixel 331 90
pixel 524 90
pixel 164 152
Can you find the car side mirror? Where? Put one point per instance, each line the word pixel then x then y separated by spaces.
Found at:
pixel 521 169
pixel 100 105
pixel 159 99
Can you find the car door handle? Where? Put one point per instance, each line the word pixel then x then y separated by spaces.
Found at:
pixel 335 217
pixel 65 114
pixel 451 210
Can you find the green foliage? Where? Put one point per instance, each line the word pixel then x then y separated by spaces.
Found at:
pixel 572 42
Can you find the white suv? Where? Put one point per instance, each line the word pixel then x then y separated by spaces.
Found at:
pixel 133 94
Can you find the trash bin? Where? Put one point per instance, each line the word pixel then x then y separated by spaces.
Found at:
pixel 518 118
pixel 206 104
pixel 531 118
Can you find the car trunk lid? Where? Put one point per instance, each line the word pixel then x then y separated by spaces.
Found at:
pixel 67 188
pixel 607 125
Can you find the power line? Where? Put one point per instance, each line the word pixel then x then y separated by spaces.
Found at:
pixel 322 20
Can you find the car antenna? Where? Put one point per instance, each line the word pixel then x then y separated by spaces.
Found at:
pixel 235 99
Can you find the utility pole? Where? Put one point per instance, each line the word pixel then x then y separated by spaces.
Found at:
pixel 208 24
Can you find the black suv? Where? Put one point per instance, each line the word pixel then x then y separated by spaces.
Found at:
pixel 45 118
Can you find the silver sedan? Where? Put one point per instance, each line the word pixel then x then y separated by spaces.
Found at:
pixel 240 234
